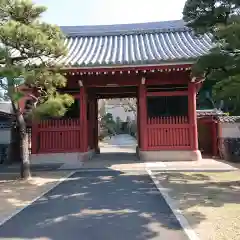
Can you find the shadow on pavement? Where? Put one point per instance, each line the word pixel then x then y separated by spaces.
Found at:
pixel 98 205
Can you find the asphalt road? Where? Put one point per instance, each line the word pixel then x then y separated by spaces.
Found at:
pixel 97 206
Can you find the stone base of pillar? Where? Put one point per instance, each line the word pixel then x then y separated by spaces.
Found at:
pixel 75 158
pixel 159 156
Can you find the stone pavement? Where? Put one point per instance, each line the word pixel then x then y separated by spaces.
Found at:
pixel 120 141
pixel 128 161
pixel 119 153
pixel 206 164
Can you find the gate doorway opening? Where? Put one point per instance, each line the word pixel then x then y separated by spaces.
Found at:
pixel 118 125
pixel 115 117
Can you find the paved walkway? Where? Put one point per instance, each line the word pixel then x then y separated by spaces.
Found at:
pixel 97 205
pixel 119 153
pixel 120 141
pixel 120 203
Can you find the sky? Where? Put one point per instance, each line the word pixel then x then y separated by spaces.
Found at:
pixel 99 12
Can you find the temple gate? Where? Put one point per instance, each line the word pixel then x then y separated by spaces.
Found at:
pixel 151 62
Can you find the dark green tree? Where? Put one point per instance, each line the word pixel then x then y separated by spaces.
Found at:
pixel 28 50
pixel 108 123
pixel 220 19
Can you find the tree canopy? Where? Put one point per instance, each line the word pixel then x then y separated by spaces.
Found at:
pixel 28 50
pixel 220 19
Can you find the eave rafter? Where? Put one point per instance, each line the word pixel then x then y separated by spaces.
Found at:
pixel 121 71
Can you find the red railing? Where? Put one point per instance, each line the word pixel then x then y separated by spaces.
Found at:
pixel 55 136
pixel 168 120
pixel 60 124
pixel 168 133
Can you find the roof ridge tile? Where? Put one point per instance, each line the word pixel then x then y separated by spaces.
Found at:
pixel 125 29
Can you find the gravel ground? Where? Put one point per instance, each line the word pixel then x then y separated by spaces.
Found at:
pixel 210 201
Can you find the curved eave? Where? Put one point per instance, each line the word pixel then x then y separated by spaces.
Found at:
pixel 163 65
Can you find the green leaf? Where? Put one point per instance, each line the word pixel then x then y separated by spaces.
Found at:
pixel 28 50
pixel 17 96
pixel 221 66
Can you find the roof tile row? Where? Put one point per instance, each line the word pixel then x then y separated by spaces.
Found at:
pixel 133 44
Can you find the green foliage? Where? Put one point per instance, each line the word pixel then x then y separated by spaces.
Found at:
pixel 16 96
pixel 29 48
pixel 207 15
pixel 221 19
pixel 108 118
pixel 54 106
pixel 107 124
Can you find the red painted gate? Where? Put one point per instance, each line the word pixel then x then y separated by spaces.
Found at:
pixel 168 133
pixel 56 136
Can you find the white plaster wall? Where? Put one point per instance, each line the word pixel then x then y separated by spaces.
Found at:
pixel 119 112
pixel 229 130
pixel 114 106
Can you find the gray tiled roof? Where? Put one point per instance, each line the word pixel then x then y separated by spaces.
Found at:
pixel 229 119
pixel 210 112
pixel 132 44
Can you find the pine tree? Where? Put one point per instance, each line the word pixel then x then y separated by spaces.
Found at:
pixel 28 50
pixel 221 20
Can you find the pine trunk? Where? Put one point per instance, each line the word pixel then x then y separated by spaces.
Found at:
pixel 23 144
pixel 24 152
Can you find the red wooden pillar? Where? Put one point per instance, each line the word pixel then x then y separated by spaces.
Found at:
pixel 96 126
pixel 91 121
pixel 192 115
pixel 142 96
pixel 138 124
pixel 83 120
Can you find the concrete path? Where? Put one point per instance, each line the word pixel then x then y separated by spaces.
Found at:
pixel 119 143
pixel 97 205
pixel 119 153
